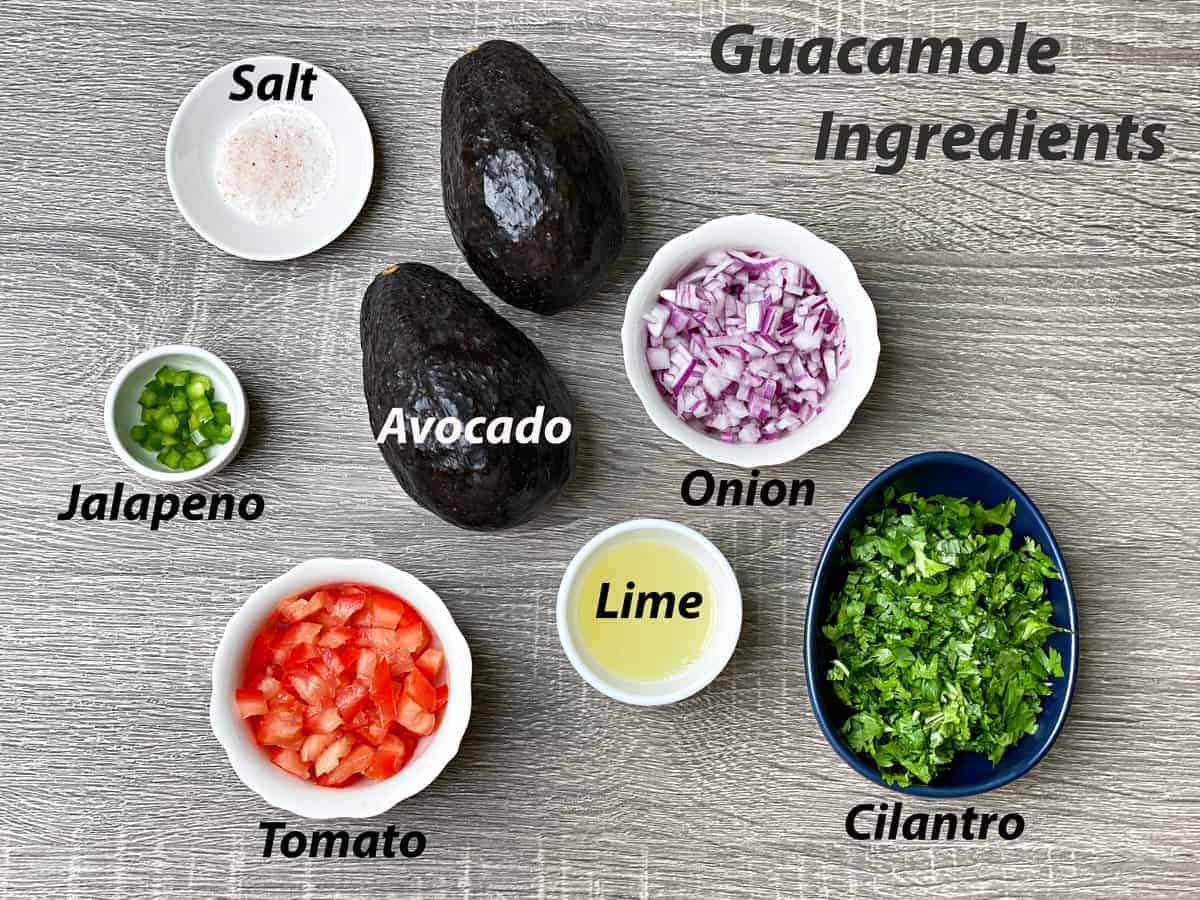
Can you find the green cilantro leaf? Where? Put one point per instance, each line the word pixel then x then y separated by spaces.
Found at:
pixel 939 633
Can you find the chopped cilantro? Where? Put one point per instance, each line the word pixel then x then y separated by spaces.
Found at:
pixel 939 635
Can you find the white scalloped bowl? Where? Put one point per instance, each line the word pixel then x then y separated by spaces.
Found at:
pixel 833 271
pixel 122 410
pixel 207 115
pixel 365 798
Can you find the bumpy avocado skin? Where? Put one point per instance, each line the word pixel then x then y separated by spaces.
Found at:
pixel 434 349
pixel 533 191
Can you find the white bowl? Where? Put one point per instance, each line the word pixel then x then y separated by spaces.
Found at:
pixel 833 271
pixel 122 412
pixel 198 130
pixel 365 798
pixel 722 639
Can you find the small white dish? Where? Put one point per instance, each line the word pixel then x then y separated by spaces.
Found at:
pixel 833 271
pixel 365 798
pixel 722 639
pixel 122 411
pixel 207 115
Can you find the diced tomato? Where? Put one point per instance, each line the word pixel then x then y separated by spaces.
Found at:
pixel 355 763
pixel 299 655
pixel 389 758
pixel 290 761
pixel 325 721
pixel 418 687
pixel 261 653
pixel 250 703
pixel 430 662
pixel 351 698
pixel 351 590
pixel 331 661
pixel 374 731
pixel 389 611
pixel 268 685
pixel 279 728
pixel 344 606
pixel 323 672
pixel 348 654
pixel 302 607
pixel 339 682
pixel 300 633
pixel 378 639
pixel 395 743
pixel 314 745
pixel 311 687
pixel 382 693
pixel 365 667
pixel 413 638
pixel 332 755
pixel 385 764
pixel 414 718
pixel 334 636
pixel 286 701
pixel 400 663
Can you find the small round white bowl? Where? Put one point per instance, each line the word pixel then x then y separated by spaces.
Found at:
pixel 365 798
pixel 833 271
pixel 722 639
pixel 122 412
pixel 198 130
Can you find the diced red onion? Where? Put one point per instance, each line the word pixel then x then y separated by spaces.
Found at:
pixel 745 346
pixel 658 357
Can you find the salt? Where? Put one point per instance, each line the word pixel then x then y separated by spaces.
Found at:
pixel 276 164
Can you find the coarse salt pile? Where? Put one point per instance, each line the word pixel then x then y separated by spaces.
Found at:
pixel 276 164
pixel 746 346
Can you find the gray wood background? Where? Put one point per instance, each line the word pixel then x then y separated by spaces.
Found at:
pixel 1041 315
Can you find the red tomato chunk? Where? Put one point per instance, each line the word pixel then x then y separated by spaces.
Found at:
pixel 340 684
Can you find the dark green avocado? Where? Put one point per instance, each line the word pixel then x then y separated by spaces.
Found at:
pixel 533 190
pixel 435 350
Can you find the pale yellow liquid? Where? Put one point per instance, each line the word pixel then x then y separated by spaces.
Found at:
pixel 643 649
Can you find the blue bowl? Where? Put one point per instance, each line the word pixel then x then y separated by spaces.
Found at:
pixel 956 475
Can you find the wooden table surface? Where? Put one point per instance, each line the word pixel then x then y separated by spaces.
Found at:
pixel 1042 315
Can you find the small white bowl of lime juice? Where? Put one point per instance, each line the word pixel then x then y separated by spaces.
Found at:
pixel 649 612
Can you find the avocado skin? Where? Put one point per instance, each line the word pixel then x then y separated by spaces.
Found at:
pixel 432 348
pixel 533 191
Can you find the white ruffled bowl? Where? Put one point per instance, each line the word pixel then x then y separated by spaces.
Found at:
pixel 833 271
pixel 365 798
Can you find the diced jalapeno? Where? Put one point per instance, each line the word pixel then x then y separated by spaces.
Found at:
pixel 194 459
pixel 199 386
pixel 181 418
